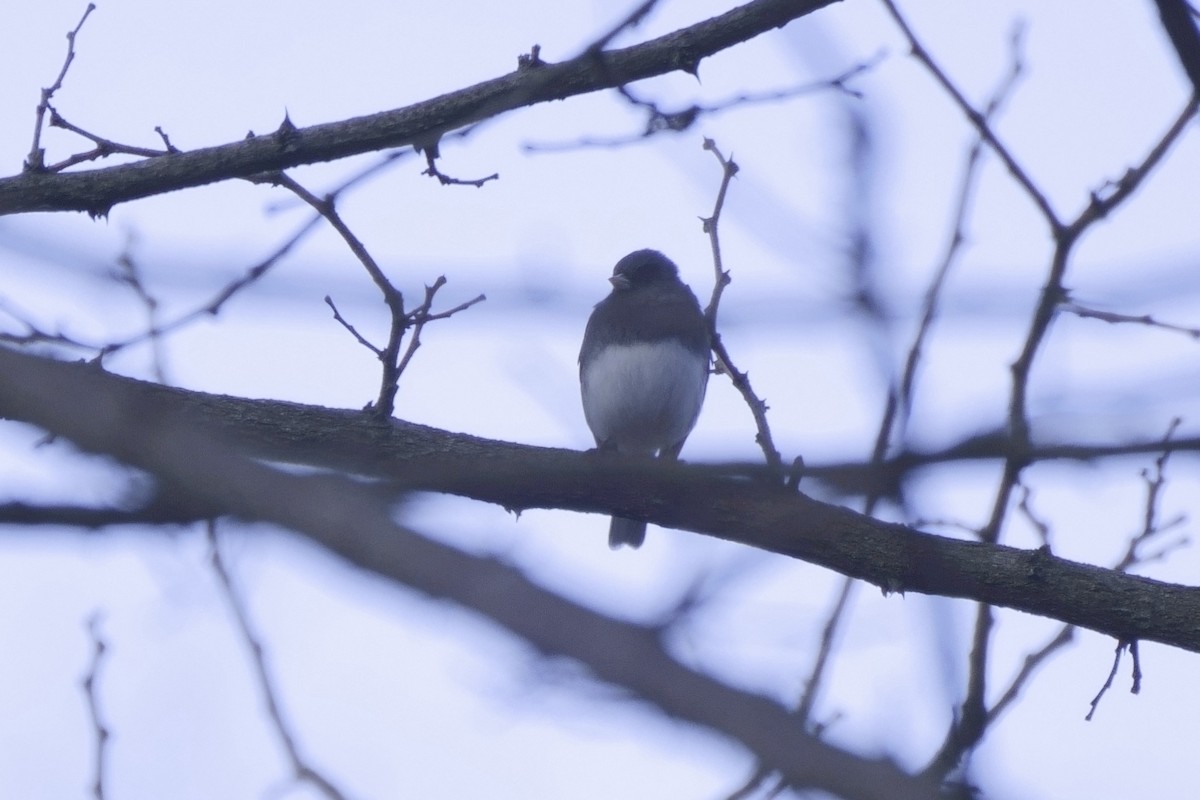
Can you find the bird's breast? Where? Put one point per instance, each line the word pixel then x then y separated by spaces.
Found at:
pixel 643 397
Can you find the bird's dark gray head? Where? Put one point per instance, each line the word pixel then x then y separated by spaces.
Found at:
pixel 643 268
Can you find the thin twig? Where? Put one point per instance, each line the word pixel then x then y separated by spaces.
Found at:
pixel 631 20
pixel 1154 485
pixel 977 119
pixel 392 297
pixel 421 315
pixel 337 315
pixel 902 408
pixel 34 334
pixel 99 647
pixel 103 147
pixel 303 770
pixel 971 723
pixel 1039 524
pixel 401 320
pixel 37 155
pixel 1140 319
pixel 1112 673
pixel 659 120
pixel 1028 667
pixel 431 154
pixel 808 699
pixel 711 226
pixel 740 380
pixel 130 275
pixel 1131 558
pixel 213 305
pixel 1053 294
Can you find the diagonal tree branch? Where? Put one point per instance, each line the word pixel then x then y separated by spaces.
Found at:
pixel 1180 27
pixel 96 191
pixel 353 521
pixel 92 408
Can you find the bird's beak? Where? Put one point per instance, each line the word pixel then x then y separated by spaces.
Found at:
pixel 619 282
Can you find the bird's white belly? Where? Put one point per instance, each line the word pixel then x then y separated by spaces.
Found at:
pixel 644 397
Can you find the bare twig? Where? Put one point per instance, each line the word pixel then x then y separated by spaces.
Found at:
pixel 1181 30
pixel 711 226
pixel 1151 527
pixel 420 315
pixel 33 333
pixel 401 320
pixel 1065 635
pixel 972 721
pixel 130 275
pixel 1039 525
pixel 93 703
pixel 37 155
pixel 1136 675
pixel 861 255
pixel 96 191
pixel 1140 319
pixel 659 120
pixel 431 154
pixel 1054 293
pixel 156 331
pixel 103 147
pixel 740 380
pixel 631 20
pixel 977 119
pixel 370 171
pixel 974 713
pixel 337 315
pixel 1065 236
pixel 304 771
pixel 392 297
pixel 213 305
pixel 166 140
pixel 895 429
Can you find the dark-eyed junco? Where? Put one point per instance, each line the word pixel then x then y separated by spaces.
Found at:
pixel 643 367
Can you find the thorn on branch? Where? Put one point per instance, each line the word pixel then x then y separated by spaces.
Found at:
pixel 796 473
pixel 531 60
pixel 286 132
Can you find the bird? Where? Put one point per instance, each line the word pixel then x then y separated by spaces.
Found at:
pixel 643 367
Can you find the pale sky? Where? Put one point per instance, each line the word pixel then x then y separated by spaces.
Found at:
pixel 394 696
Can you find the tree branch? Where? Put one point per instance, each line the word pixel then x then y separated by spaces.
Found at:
pixel 96 191
pixel 353 520
pixel 119 412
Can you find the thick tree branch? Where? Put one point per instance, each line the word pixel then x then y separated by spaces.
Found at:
pixel 421 124
pixel 1180 27
pixel 55 395
pixel 136 423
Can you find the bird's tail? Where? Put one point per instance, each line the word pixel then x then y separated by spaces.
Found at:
pixel 626 531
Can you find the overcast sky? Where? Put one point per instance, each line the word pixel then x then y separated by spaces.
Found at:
pixel 394 696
